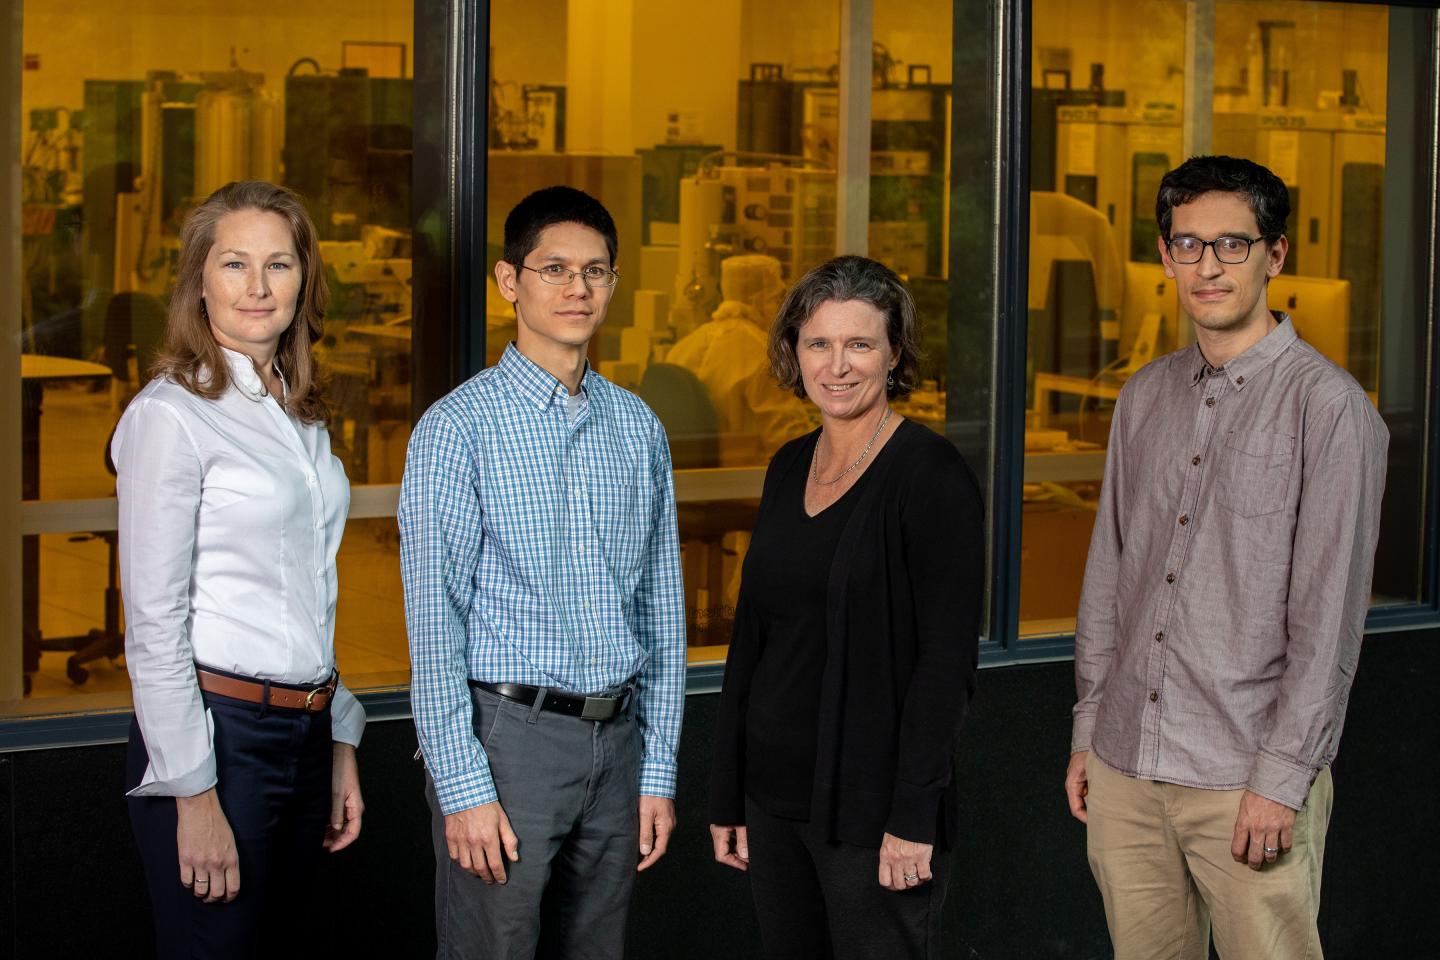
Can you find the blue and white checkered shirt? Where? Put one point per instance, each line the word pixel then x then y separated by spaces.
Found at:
pixel 539 548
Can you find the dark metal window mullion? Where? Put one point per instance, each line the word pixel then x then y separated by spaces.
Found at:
pixel 1011 318
pixel 452 45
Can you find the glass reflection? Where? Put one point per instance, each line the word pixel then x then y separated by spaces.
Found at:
pixel 125 130
pixel 1299 87
pixel 716 149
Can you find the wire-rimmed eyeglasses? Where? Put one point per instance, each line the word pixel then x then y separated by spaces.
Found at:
pixel 594 275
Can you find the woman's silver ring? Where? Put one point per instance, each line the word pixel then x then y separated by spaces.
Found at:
pixel 912 877
pixel 1272 849
pixel 206 882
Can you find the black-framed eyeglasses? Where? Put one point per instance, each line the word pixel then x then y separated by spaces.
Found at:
pixel 594 275
pixel 1231 250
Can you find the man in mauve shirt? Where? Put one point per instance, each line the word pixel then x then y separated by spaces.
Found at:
pixel 1224 601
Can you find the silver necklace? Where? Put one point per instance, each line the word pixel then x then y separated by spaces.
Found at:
pixel 815 457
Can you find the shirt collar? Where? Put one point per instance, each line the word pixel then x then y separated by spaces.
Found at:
pixel 244 375
pixel 534 383
pixel 1242 369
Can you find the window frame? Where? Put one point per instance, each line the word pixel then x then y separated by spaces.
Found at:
pixel 451 66
pixel 448 310
pixel 1012 292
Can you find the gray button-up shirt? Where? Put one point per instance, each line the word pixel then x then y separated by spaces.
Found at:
pixel 1229 571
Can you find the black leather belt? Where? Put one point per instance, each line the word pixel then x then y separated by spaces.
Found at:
pixel 558 701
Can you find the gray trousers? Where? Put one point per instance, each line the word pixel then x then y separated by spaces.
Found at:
pixel 571 790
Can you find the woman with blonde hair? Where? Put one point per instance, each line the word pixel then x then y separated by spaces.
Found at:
pixel 242 752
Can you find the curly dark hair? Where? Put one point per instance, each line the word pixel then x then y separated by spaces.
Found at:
pixel 1266 194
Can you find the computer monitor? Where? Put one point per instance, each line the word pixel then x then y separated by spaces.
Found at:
pixel 1320 309
pixel 1148 315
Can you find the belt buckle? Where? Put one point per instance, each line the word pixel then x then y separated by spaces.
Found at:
pixel 310 699
pixel 598 708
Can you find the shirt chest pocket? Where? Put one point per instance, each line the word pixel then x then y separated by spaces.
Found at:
pixel 622 520
pixel 1254 475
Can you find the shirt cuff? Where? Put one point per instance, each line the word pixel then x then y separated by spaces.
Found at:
pixel 657 779
pixel 1281 779
pixel 465 791
pixel 347 717
pixel 188 784
pixel 1082 732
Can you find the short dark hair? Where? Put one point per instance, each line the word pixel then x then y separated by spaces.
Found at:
pixel 841 279
pixel 549 206
pixel 1266 194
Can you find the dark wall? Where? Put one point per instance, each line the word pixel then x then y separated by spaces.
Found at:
pixel 70 882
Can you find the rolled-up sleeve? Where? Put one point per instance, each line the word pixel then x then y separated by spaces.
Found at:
pixel 158 486
pixel 1344 451
pixel 440 543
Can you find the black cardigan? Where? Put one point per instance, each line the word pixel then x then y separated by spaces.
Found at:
pixel 902 629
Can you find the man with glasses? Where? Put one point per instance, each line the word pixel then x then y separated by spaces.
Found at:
pixel 1224 599
pixel 544 607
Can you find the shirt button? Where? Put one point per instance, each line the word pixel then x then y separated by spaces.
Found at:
pixel 1209 401
pixel 310 479
pixel 320 572
pixel 1154 695
pixel 1184 519
pixel 1195 460
pixel 1239 381
pixel 1160 636
pixel 1169 578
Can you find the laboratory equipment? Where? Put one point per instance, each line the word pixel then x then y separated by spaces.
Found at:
pixel 348 149
pixel 784 208
pixel 909 155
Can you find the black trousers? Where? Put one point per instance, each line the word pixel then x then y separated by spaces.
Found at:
pixel 820 900
pixel 273 779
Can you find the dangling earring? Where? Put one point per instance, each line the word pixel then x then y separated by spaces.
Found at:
pixel 890 381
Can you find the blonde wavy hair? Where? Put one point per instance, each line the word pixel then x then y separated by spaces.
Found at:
pixel 191 356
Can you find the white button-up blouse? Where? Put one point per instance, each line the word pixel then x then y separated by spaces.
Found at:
pixel 231 513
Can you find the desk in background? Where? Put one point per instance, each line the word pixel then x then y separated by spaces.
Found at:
pixel 36 370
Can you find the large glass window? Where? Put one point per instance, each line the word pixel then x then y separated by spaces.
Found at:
pixel 131 113
pixel 735 152
pixel 1121 92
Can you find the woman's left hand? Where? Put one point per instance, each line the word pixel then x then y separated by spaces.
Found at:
pixel 903 863
pixel 345 803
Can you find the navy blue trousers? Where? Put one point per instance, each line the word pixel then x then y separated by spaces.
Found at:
pixel 273 772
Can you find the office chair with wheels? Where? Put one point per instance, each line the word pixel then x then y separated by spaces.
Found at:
pixel 108 640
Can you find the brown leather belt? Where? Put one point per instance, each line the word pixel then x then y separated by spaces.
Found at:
pixel 309 699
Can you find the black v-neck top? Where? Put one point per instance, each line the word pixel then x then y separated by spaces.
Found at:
pixel 787 576
pixel 870 722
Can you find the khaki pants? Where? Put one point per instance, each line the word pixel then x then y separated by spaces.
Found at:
pixel 1161 857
